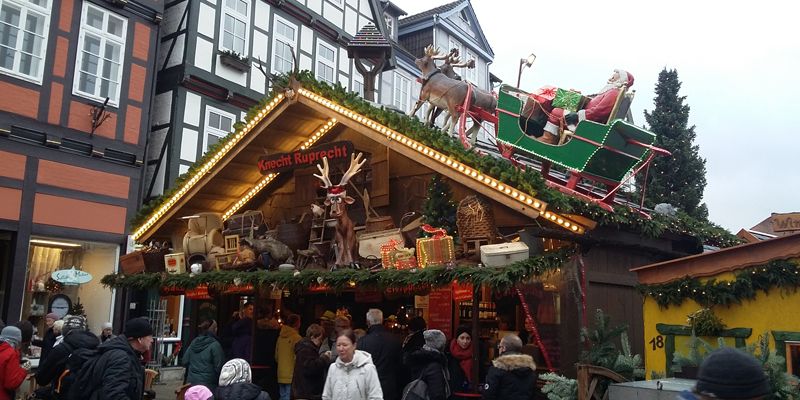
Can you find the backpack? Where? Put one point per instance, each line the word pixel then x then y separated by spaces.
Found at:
pixel 77 376
pixel 418 388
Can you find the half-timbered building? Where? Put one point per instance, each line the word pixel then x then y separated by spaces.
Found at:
pixel 76 82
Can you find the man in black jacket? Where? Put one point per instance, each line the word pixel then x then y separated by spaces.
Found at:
pixel 117 372
pixel 75 337
pixel 386 353
pixel 512 375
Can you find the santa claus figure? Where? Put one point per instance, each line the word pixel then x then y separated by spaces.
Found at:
pixel 597 109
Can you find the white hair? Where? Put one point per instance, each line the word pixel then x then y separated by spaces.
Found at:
pixel 374 317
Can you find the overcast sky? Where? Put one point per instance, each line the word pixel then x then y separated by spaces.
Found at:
pixel 739 68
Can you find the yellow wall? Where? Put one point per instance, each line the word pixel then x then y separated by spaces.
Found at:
pixel 775 311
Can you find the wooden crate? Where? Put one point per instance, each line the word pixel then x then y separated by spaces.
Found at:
pixel 131 263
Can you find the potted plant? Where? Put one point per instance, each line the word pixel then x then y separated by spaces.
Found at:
pixel 234 60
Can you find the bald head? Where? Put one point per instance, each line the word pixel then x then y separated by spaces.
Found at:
pixel 512 343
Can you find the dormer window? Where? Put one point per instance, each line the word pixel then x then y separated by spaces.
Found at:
pixel 464 17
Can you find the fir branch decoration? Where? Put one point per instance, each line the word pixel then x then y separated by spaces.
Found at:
pixel 783 274
pixel 496 278
pixel 528 181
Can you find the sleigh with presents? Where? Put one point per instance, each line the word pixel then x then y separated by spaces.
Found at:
pixel 608 154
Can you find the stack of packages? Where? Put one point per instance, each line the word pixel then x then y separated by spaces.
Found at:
pixel 397 257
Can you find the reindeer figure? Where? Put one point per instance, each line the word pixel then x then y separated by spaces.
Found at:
pixel 451 61
pixel 448 93
pixel 337 199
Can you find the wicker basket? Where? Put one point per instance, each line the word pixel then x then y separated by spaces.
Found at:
pixel 475 218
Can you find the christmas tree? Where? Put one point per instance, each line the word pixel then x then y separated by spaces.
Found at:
pixel 439 210
pixel 681 179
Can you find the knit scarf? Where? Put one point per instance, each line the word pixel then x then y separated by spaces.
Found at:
pixel 464 357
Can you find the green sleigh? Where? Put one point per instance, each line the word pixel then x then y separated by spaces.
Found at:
pixel 609 154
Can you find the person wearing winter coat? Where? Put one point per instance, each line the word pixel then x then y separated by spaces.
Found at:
pixel 49 339
pixel 512 375
pixel 204 357
pixel 117 372
pixel 386 351
pixel 12 374
pixel 235 383
pixel 75 337
pixel 285 356
pixel 242 333
pixel 353 376
pixel 460 359
pixel 310 366
pixel 430 365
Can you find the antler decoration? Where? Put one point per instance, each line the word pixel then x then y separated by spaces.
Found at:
pixel 326 181
pixel 355 166
pixel 434 53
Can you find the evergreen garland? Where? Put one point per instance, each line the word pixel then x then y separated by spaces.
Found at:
pixel 496 278
pixel 781 274
pixel 528 181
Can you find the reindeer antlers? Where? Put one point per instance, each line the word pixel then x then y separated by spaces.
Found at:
pixel 355 165
pixel 326 181
pixel 434 53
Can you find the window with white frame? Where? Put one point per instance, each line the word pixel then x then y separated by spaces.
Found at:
pixel 24 25
pixel 469 73
pixel 218 124
pixel 284 40
pixel 326 62
pixel 402 90
pixel 452 44
pixel 101 48
pixel 234 26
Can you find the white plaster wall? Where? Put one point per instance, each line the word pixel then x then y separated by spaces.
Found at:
pixel 231 74
pixel 206 20
pixel 182 169
pixel 257 79
pixel 99 261
pixel 262 15
pixel 344 61
pixel 315 5
pixel 350 21
pixel 260 46
pixel 172 17
pixel 364 7
pixel 344 80
pixel 162 108
pixel 306 39
pixel 204 54
pixel 191 109
pixel 189 145
pixel 333 14
pixel 177 53
pixel 306 63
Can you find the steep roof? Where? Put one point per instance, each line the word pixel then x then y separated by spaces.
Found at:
pixel 429 13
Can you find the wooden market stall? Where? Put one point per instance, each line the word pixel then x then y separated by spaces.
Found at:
pixel 547 271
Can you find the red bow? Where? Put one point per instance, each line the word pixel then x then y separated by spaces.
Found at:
pixel 336 189
pixel 438 233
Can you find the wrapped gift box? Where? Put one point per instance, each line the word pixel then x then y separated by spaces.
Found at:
pixel 436 250
pixel 568 100
pixel 499 255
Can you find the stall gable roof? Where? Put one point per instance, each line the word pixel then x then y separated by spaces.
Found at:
pixel 721 261
pixel 228 180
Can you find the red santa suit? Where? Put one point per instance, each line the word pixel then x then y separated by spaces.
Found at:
pixel 598 108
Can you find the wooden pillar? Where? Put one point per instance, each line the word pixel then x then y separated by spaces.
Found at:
pixel 476 348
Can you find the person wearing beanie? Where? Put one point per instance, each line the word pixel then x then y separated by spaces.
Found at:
pixel 73 322
pixel 204 357
pixel 26 327
pixel 459 359
pixel 729 374
pixel 198 392
pixel 386 351
pixel 12 373
pixel 117 371
pixel 49 338
pixel 429 364
pixel 235 383
pixel 77 337
pixel 107 332
pixel 512 375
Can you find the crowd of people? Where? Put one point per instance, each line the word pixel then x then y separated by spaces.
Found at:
pixel 334 361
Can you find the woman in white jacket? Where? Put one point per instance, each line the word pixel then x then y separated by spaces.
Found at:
pixel 353 376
